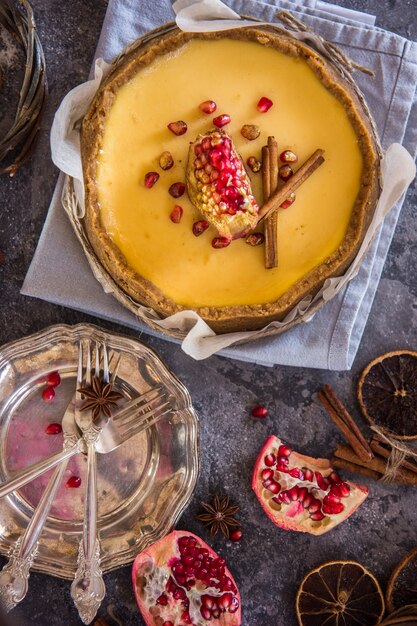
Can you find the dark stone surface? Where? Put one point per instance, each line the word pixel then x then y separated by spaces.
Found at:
pixel 268 563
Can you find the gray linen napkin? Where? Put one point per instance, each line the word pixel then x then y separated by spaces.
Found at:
pixel 330 340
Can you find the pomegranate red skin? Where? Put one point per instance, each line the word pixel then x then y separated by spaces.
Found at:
pixel 160 553
pixel 321 465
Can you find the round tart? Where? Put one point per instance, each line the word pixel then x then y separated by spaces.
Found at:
pixel 149 245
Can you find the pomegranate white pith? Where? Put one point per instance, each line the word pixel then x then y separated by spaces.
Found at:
pixel 219 187
pixel 301 493
pixel 179 580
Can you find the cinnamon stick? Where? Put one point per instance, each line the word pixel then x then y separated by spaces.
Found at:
pixel 345 422
pixel 270 184
pixel 377 464
pixel 379 449
pixel 304 172
pixel 355 469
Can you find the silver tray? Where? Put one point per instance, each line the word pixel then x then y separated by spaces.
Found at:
pixel 143 486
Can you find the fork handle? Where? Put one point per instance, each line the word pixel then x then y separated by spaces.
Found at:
pixel 88 589
pixel 15 574
pixel 37 469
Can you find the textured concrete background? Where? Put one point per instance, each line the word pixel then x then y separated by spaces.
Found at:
pixel 269 563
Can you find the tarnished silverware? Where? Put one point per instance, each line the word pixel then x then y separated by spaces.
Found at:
pixel 131 414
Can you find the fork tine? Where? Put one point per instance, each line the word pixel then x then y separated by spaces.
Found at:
pixel 88 365
pixel 137 403
pixel 97 364
pixel 80 365
pixel 137 411
pixel 115 367
pixel 105 364
pixel 152 417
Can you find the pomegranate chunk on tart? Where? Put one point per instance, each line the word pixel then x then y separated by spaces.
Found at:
pixel 181 580
pixel 219 186
pixel 131 122
pixel 301 493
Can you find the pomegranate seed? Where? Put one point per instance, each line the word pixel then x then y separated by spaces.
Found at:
pixel 284 451
pixel 168 624
pixel 315 506
pixel 150 179
pixel 222 120
pixel 334 478
pixel 317 517
pixel 225 601
pixel 73 483
pixel 255 239
pixel 48 394
pixel 53 429
pixel 254 164
pixel 176 190
pixel 308 474
pixel 176 214
pixel 344 489
pixel 199 227
pixel 236 535
pixel 207 601
pixel 267 474
pixel 302 494
pixel 208 106
pixel 166 161
pixel 205 613
pixel 53 379
pixel 282 465
pixel 288 201
pixel 274 487
pixel 296 473
pixel 288 156
pixel 259 411
pixel 220 242
pixel 235 605
pixel 264 104
pixel 162 600
pixel 270 460
pixel 285 172
pixel 293 493
pixel 178 128
pixel 322 482
pixel 284 497
pixel 308 499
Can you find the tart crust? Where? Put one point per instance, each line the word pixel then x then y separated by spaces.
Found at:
pixel 227 318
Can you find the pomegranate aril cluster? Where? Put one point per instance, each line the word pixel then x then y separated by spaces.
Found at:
pixel 195 566
pixel 325 499
pixel 221 179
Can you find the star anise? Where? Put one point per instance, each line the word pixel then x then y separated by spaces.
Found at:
pixel 100 398
pixel 219 515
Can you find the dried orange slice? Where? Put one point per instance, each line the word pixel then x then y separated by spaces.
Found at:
pixel 387 393
pixel 402 585
pixel 340 593
pixel 406 616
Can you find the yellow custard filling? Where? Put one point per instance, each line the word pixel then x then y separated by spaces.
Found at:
pixel 235 74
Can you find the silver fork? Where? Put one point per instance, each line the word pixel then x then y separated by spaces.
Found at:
pixel 88 589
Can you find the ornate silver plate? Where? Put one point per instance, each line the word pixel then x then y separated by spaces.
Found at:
pixel 143 486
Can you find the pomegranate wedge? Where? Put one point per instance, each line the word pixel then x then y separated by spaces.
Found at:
pixel 181 580
pixel 219 186
pixel 301 493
